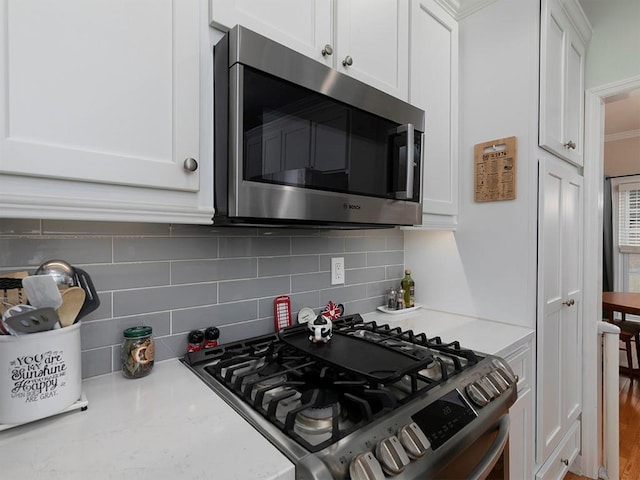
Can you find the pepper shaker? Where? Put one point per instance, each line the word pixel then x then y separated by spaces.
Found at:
pixel 391 300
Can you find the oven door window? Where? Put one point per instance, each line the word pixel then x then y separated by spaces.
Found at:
pixel 293 136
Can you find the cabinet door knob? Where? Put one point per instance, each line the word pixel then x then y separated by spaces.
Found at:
pixel 565 461
pixel 327 50
pixel 569 303
pixel 190 164
pixel 570 144
pixel 347 62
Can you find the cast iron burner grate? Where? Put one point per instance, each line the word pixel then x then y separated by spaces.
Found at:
pixel 280 381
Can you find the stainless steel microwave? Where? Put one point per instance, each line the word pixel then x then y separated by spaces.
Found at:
pixel 298 143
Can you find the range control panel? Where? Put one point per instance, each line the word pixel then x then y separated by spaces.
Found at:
pixel 432 426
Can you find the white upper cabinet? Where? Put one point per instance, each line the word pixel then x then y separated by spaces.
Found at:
pixel 434 88
pixel 305 26
pixel 101 110
pixel 367 39
pixel 372 43
pixel 562 57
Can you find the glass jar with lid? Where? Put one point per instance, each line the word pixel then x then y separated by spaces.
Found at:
pixel 137 351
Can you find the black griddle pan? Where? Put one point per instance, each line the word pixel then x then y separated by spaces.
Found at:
pixel 372 360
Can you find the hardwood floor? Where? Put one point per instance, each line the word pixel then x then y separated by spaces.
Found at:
pixel 629 431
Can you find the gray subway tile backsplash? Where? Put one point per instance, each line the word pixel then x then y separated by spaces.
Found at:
pixel 213 315
pixel 30 252
pixel 144 249
pixel 272 266
pixel 306 245
pixel 365 244
pixel 77 227
pixel 17 226
pixel 177 278
pixel 195 271
pixel 123 276
pixel 365 275
pixel 254 246
pixel 157 299
pixel 261 287
pixel 109 332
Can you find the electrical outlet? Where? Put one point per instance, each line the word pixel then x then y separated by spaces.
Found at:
pixel 337 271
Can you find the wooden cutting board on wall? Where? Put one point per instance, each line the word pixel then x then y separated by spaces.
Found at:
pixel 494 168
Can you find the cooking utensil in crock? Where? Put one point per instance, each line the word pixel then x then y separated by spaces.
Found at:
pixel 61 271
pixel 72 302
pixel 31 321
pixel 12 311
pixel 42 291
pixel 91 299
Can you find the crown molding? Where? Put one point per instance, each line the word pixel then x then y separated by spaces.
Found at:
pixel 578 19
pixel 460 9
pixel 613 137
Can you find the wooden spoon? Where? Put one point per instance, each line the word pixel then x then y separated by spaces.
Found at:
pixel 72 301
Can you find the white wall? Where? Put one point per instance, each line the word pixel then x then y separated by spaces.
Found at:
pixel 487 268
pixel 614 51
pixel 622 157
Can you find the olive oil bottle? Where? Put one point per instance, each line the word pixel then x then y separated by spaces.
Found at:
pixel 409 287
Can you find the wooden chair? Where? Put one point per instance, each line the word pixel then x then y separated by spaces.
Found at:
pixel 629 331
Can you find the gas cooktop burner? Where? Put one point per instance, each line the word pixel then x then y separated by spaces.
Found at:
pixel 326 401
pixel 324 406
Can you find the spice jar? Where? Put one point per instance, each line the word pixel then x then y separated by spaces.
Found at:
pixel 211 336
pixel 137 352
pixel 195 340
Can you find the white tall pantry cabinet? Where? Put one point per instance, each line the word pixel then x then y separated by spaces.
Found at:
pixel 505 91
pixel 560 237
pixel 559 331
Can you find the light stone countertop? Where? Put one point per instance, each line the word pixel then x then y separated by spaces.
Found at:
pixel 170 425
pixel 481 335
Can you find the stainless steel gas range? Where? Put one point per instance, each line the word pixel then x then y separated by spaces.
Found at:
pixel 373 402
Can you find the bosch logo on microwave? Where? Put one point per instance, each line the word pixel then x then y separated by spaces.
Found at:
pixel 350 206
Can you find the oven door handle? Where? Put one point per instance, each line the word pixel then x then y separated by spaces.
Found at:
pixel 483 469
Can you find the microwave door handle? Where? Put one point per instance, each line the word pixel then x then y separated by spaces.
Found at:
pixel 410 131
pixel 410 154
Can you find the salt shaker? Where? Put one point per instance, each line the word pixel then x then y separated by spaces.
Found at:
pixel 400 300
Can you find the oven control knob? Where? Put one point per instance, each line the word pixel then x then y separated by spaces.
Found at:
pixel 505 371
pixel 392 456
pixel 489 387
pixel 499 382
pixel 365 467
pixel 413 440
pixel 477 394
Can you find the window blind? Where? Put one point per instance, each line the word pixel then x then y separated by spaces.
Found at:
pixel 629 217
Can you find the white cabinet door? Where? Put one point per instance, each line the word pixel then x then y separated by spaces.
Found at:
pixel 101 93
pixel 367 39
pixel 562 57
pixel 303 25
pixel 521 436
pixel 434 88
pixel 557 465
pixel 372 43
pixel 559 304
